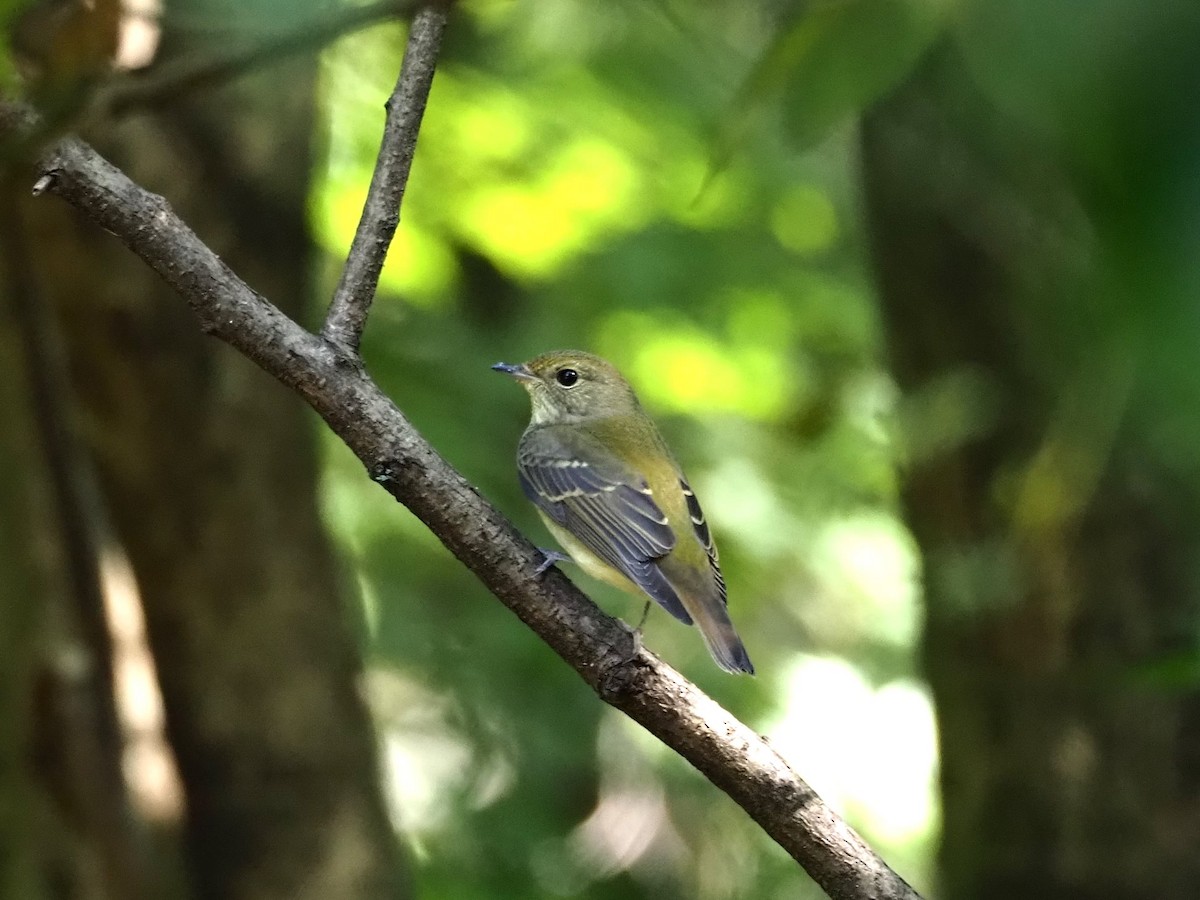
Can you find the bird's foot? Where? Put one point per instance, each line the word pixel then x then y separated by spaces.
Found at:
pixel 549 558
pixel 635 634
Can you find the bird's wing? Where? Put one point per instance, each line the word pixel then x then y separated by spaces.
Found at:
pixel 602 502
pixel 700 526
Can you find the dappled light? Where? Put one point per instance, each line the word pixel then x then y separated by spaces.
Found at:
pixel 873 754
pixel 732 295
pixel 910 289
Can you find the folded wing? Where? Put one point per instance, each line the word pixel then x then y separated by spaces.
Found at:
pixel 605 505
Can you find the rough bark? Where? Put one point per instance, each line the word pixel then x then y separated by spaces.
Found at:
pixel 1058 559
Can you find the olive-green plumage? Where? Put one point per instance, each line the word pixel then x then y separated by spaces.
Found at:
pixel 610 492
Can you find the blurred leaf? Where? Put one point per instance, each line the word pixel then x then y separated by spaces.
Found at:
pixel 555 202
pixel 838 57
pixel 830 61
pixel 1176 671
pixel 67 43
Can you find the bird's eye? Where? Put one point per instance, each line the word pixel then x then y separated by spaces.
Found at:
pixel 566 377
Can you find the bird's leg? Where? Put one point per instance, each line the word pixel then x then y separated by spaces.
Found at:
pixel 549 558
pixel 636 633
pixel 642 620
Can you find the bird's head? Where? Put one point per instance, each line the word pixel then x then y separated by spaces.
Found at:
pixel 568 386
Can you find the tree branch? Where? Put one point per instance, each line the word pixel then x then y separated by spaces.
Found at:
pixel 381 212
pixel 333 382
pixel 328 373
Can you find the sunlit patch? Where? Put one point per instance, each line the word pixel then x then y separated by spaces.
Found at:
pixel 948 411
pixel 426 759
pixel 759 318
pixel 869 564
pixel 804 220
pixel 498 129
pixel 139 35
pixel 147 761
pixel 594 178
pixel 372 610
pixel 517 228
pixel 630 825
pixel 742 501
pixel 689 371
pixel 521 183
pixel 421 770
pixel 622 827
pixel 677 366
pixel 420 267
pixel 532 228
pixel 340 207
pixel 830 730
pixel 869 402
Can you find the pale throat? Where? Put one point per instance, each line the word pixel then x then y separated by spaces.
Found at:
pixel 545 413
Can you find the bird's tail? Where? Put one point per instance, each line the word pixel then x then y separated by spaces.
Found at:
pixel 720 637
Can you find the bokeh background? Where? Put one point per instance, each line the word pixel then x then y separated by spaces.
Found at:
pixel 913 289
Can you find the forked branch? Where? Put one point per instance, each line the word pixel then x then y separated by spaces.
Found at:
pixel 328 373
pixel 381 213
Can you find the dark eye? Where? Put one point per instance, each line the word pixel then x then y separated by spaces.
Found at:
pixel 566 377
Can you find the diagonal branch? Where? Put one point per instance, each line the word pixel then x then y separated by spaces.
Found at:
pixel 730 754
pixel 328 373
pixel 381 213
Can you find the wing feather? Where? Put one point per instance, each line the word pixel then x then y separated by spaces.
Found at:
pixel 700 526
pixel 599 500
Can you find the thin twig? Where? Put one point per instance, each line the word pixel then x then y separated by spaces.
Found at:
pixel 381 212
pixel 730 754
pixel 189 75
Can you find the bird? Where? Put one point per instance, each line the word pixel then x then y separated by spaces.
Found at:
pixel 611 493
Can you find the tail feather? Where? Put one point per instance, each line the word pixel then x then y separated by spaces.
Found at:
pixel 701 592
pixel 722 640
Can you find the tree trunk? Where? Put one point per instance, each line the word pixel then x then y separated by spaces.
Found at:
pixel 26 545
pixel 1059 557
pixel 209 473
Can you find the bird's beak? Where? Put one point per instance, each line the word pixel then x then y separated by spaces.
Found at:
pixel 516 370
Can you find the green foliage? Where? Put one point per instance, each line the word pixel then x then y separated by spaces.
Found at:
pixel 828 63
pixel 9 81
pixel 562 195
pixel 838 56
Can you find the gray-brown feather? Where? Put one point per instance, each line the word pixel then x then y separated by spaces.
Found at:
pixel 611 510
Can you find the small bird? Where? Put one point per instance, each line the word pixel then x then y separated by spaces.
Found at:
pixel 612 495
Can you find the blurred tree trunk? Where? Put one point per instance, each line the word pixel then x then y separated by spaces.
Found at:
pixel 25 543
pixel 1059 558
pixel 209 472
